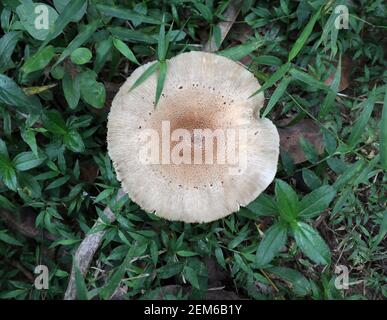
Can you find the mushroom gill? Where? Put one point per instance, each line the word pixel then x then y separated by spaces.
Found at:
pixel 203 151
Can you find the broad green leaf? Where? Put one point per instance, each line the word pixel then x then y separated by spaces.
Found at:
pixel 287 201
pixel 220 257
pixel 7 121
pixel 311 179
pixel 3 149
pixel 154 252
pixel 287 162
pixel 169 270
pixel 330 143
pixel 186 253
pixel 71 90
pixel 29 185
pixel 125 50
pixel 316 202
pixel 382 230
pixel 57 183
pixel 383 133
pixel 8 239
pixel 191 276
pixel 349 174
pixel 298 283
pixel 301 40
pixel 33 14
pixel 12 95
pixel 39 60
pixel 281 71
pixel 92 91
pixel 277 94
pixel 80 285
pixel 54 122
pixel 274 239
pixel 162 74
pixel 104 195
pixel 57 72
pixel 311 243
pixel 17 293
pixel 264 205
pixel 81 56
pixel 7 172
pixel 242 236
pixel 27 160
pixel 205 11
pixel 5 203
pixel 102 49
pixel 73 141
pixel 61 4
pixel 79 40
pixel 361 123
pixel 242 264
pixel 7 45
pixel 67 15
pixel 125 13
pixel 309 150
pixel 64 242
pixel 236 53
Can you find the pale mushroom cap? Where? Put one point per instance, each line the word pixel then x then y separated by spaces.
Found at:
pixel 201 91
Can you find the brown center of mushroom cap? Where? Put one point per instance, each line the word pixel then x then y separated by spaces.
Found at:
pixel 193 111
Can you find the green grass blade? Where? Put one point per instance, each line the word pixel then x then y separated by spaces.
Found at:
pixel 361 123
pixel 277 94
pixel 160 80
pixel 82 293
pixel 383 133
pixel 307 79
pixel 80 39
pixel 125 50
pixel 146 74
pixel 125 13
pixel 300 42
pixel 162 46
pixel 331 95
pixel 238 52
pixel 68 13
pixel 281 71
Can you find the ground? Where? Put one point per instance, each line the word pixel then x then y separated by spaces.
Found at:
pixel 323 69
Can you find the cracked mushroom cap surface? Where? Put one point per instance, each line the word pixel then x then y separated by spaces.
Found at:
pixel 205 93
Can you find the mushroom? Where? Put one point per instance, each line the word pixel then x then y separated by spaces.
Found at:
pixel 163 155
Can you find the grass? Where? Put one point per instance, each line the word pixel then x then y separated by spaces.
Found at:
pixel 325 89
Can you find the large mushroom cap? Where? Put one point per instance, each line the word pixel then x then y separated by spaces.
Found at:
pixel 201 91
